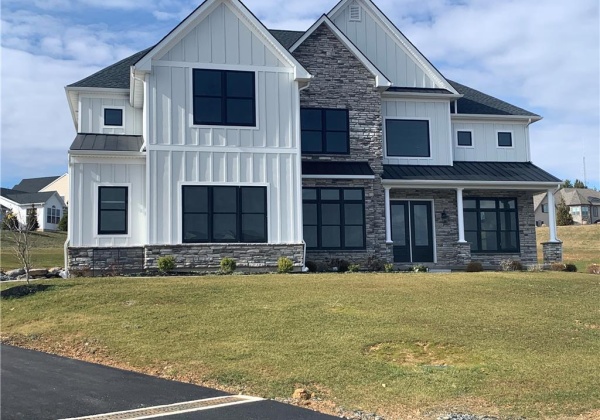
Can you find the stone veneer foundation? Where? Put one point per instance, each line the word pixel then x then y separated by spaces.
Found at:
pixel 255 257
pixel 552 252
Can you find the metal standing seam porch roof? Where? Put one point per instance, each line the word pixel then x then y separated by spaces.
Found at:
pixel 107 142
pixel 470 171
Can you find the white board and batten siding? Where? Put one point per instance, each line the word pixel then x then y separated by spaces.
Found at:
pixel 91 115
pixel 181 153
pixel 382 48
pixel 438 115
pixel 484 137
pixel 86 178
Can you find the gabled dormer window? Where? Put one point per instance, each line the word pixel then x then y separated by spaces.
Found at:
pixel 224 97
pixel 325 131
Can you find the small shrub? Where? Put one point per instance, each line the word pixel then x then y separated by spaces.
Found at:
pixel 571 268
pixel 535 267
pixel 353 268
pixel 474 267
pixel 227 265
pixel 63 223
pixel 311 266
pixel 511 265
pixel 284 265
pixel 374 263
pixel 419 269
pixel 557 266
pixel 339 265
pixel 166 264
pixel 389 268
pixel 593 269
pixel 322 267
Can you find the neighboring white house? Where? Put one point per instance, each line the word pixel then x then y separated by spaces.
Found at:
pixel 49 206
pixel 227 139
pixel 583 203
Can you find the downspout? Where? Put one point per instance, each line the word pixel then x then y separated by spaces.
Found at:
pixel 298 129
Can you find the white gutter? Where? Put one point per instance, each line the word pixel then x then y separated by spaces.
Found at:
pixel 521 118
pixel 299 163
pixel 451 184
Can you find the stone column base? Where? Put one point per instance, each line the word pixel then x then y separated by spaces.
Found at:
pixel 463 253
pixel 552 252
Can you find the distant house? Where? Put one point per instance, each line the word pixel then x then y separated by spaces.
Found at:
pixel 584 205
pixel 60 184
pixel 49 205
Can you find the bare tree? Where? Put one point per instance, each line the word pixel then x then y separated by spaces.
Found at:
pixel 23 241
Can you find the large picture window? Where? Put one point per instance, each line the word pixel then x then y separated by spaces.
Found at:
pixel 112 210
pixel 53 215
pixel 224 214
pixel 224 97
pixel 334 218
pixel 407 138
pixel 325 130
pixel 491 224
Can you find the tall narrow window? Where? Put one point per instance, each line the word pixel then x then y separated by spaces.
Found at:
pixel 224 214
pixel 407 138
pixel 224 97
pixel 491 224
pixel 112 210
pixel 325 131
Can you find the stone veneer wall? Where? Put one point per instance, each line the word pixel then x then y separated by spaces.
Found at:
pixel 341 81
pixel 187 257
pixel 552 252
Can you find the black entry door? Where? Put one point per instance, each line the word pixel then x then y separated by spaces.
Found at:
pixel 412 231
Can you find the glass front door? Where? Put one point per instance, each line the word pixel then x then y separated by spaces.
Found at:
pixel 412 231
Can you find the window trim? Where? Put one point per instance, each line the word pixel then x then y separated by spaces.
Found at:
pixel 512 139
pixel 97 232
pixel 341 202
pixel 223 69
pixel 472 146
pixel 104 108
pixel 182 184
pixel 498 211
pixel 324 131
pixel 385 140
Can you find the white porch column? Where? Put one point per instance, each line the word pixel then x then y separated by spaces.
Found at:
pixel 388 217
pixel 552 216
pixel 461 215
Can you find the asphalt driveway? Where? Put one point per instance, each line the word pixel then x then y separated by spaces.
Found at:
pixel 37 385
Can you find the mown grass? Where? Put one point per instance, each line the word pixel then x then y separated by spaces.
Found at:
pixel 581 244
pixel 523 344
pixel 47 250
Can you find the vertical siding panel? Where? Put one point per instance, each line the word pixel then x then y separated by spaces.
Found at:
pixel 217 25
pixel 190 49
pixel 163 111
pixel 246 167
pixel 178 174
pixel 178 105
pixel 176 53
pixel 219 167
pixel 245 43
pixel 258 52
pixel 205 167
pixel 246 138
pixel 204 136
pixel 232 167
pixel 232 47
pixel 272 109
pixel 204 41
pixel 259 135
pixel 285 112
pixel 258 165
pixel 219 136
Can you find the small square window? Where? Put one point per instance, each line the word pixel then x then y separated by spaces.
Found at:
pixel 505 139
pixel 113 117
pixel 464 138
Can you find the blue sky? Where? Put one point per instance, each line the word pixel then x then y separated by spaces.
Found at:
pixel 542 55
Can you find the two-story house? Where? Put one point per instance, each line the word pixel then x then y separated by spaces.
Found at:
pixel 227 139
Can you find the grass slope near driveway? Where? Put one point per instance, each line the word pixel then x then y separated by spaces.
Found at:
pixel 581 244
pixel 508 343
pixel 47 250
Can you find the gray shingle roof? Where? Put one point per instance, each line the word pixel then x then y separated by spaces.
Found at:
pixel 115 76
pixel 32 185
pixel 476 102
pixel 107 142
pixel 311 167
pixel 286 38
pixel 470 171
pixel 22 197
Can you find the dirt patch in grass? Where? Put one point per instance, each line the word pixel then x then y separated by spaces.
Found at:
pixel 419 353
pixel 23 290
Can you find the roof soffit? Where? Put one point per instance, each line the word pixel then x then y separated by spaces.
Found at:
pixel 388 26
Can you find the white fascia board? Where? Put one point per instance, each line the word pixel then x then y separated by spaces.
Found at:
pixel 201 12
pixel 381 80
pixel 485 185
pixel 97 90
pixel 338 176
pixel 404 42
pixel 490 117
pixel 421 95
pixel 73 100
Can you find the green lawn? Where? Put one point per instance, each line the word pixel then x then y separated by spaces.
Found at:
pixel 524 344
pixel 47 250
pixel 581 244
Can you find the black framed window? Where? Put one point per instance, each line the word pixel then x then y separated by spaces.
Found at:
pixel 544 208
pixel 491 224
pixel 407 138
pixel 224 214
pixel 505 139
pixel 112 210
pixel 113 117
pixel 464 138
pixel 53 215
pixel 224 97
pixel 325 130
pixel 334 218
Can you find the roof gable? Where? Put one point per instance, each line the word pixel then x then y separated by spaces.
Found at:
pixel 392 52
pixel 21 197
pixel 32 185
pixel 201 13
pixel 380 79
